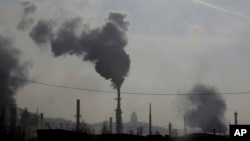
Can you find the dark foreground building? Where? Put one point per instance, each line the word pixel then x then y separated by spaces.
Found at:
pixel 62 135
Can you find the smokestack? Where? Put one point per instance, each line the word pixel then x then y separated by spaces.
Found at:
pixel 13 115
pixel 41 116
pixel 78 115
pixel 170 129
pixel 103 46
pixel 41 121
pixel 110 125
pixel 235 118
pixel 185 125
pixel 118 114
pixel 150 120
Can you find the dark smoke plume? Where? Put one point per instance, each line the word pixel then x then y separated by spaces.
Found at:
pixel 26 21
pixel 42 32
pixel 10 65
pixel 66 40
pixel 207 109
pixel 104 46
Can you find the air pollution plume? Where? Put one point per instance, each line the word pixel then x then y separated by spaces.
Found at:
pixel 26 20
pixel 103 46
pixel 10 65
pixel 206 110
pixel 42 33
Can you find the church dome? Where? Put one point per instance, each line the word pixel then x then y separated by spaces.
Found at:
pixel 133 118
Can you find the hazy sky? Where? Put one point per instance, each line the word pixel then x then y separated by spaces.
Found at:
pixel 173 44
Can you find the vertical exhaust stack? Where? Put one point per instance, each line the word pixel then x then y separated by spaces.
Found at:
pixel 41 122
pixel 78 115
pixel 41 116
pixel 103 46
pixel 170 129
pixel 110 125
pixel 118 113
pixel 235 118
pixel 13 118
pixel 185 125
pixel 150 120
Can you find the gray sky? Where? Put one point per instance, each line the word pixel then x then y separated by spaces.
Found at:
pixel 173 44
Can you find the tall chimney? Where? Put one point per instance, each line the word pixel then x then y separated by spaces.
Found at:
pixel 13 116
pixel 150 120
pixel 170 129
pixel 118 113
pixel 78 115
pixel 110 125
pixel 41 122
pixel 185 125
pixel 235 118
pixel 41 116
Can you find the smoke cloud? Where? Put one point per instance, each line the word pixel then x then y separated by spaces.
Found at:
pixel 26 20
pixel 207 109
pixel 42 32
pixel 103 46
pixel 10 65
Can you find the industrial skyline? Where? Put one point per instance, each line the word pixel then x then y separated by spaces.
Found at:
pixel 23 124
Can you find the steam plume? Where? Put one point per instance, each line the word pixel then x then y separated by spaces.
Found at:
pixel 206 110
pixel 10 65
pixel 104 46
pixel 26 21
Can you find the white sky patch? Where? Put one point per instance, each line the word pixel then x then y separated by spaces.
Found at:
pixel 221 9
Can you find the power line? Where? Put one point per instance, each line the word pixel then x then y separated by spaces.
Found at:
pixel 53 85
pixel 103 91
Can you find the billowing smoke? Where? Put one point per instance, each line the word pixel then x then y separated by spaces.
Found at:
pixel 42 33
pixel 26 20
pixel 206 110
pixel 104 46
pixel 10 65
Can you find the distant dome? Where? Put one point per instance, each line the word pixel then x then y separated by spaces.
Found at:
pixel 133 118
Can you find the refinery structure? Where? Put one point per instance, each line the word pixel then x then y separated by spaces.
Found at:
pixel 22 125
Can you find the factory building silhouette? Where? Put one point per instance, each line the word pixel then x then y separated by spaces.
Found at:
pixel 22 125
pixel 19 124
